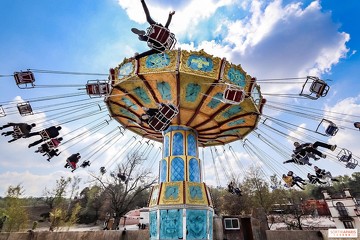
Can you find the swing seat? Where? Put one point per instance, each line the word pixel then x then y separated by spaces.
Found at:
pixel 352 163
pixel 112 77
pixel 102 170
pixel 50 144
pixel 24 108
pixel 325 176
pixel 331 130
pixel 301 160
pixel 318 88
pixel 85 164
pixel 233 94
pixel 44 135
pixel 72 165
pixel 345 158
pixel 163 117
pixel 344 155
pixel 24 79
pixel 97 88
pixel 160 38
pixel 312 181
pixel 169 111
pixel 158 124
pixel 17 132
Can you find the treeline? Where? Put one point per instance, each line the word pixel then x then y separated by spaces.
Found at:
pixel 258 192
pixel 128 188
pixel 115 193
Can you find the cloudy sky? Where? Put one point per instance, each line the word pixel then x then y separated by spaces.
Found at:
pixel 270 39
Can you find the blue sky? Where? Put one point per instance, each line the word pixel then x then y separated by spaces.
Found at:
pixel 270 39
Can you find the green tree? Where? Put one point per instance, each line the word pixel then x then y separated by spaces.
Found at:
pixel 91 200
pixel 74 215
pixel 217 199
pixel 17 216
pixel 56 196
pixel 354 184
pixel 63 211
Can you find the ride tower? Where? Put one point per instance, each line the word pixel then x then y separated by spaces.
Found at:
pixel 215 103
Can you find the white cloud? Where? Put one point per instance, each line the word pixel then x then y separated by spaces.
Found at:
pixel 276 41
pixel 185 19
pixel 344 111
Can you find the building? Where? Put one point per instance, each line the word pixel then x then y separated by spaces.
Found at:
pixel 344 209
pixel 319 206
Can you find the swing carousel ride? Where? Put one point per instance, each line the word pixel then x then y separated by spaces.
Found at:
pixel 201 101
pixel 198 101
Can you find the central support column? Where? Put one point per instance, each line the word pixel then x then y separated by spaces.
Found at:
pixel 180 205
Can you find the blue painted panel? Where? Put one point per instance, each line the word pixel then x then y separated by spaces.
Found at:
pixel 215 101
pixel 210 221
pixel 236 77
pixel 140 92
pixel 163 170
pixel 194 170
pixel 178 144
pixel 125 70
pixel 196 224
pixel 195 192
pixel 192 92
pixel 237 122
pixel 164 90
pixel 191 145
pixel 171 224
pixel 232 111
pixel 200 63
pixel 158 60
pixel 128 103
pixel 153 224
pixel 177 169
pixel 172 192
pixel 166 147
pixel 127 113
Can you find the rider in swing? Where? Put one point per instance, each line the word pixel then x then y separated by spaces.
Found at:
pixel 142 34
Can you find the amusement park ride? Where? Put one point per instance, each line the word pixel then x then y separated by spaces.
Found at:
pixel 199 101
pixel 213 102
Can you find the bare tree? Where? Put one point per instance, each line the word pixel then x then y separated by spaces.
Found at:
pixel 257 188
pixel 126 184
pixel 297 211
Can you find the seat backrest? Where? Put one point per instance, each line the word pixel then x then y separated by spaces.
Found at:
pixel 233 95
pixel 24 78
pixel 97 88
pixel 331 130
pixel 24 108
pixel 344 158
pixel 159 33
pixel 167 111
pixel 319 87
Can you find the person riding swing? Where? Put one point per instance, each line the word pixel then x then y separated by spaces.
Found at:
pixel 157 36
